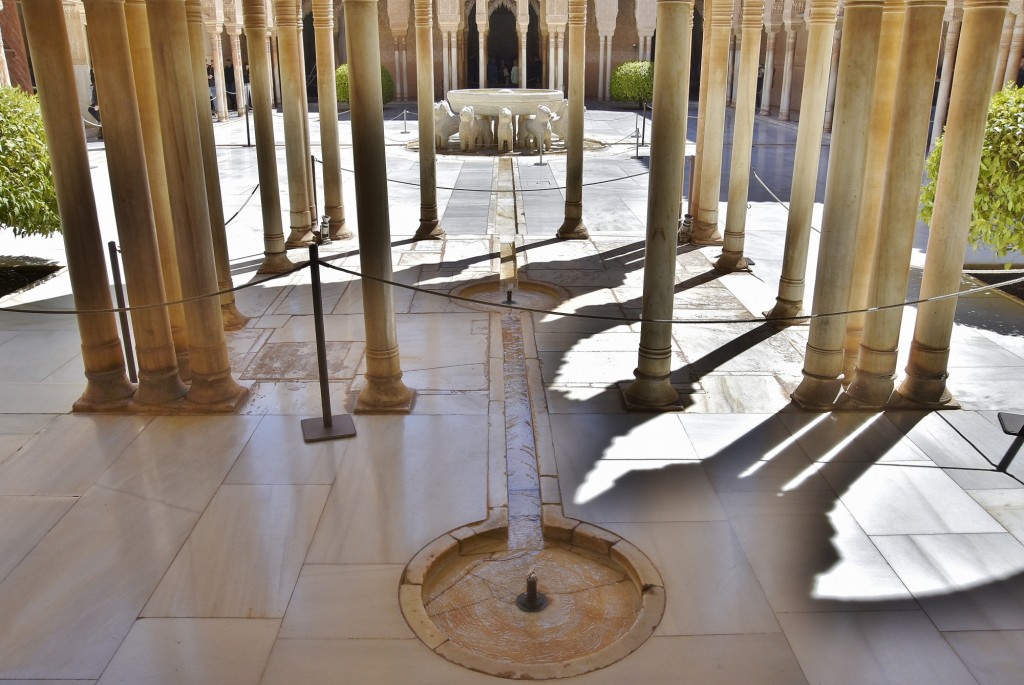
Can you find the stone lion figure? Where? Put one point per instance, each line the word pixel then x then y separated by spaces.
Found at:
pixel 536 131
pixel 473 130
pixel 560 119
pixel 446 123
pixel 504 135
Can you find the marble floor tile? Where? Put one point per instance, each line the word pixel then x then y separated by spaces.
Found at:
pixel 181 460
pixel 818 562
pixel 888 499
pixel 38 398
pixel 67 459
pixel 399 487
pixel 851 437
pixel 294 398
pixel 244 556
pixel 351 601
pixel 191 651
pixel 993 656
pixel 854 648
pixel 736 394
pixel 625 436
pixel 33 355
pixel 939 441
pixel 963 582
pixel 71 601
pixel 10 443
pixel 1005 506
pixel 337 327
pixel 277 454
pixel 710 588
pixel 23 523
pixel 24 424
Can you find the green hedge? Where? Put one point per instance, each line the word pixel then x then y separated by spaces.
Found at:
pixel 998 217
pixel 28 203
pixel 633 82
pixel 387 85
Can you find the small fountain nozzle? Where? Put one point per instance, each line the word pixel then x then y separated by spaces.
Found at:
pixel 531 600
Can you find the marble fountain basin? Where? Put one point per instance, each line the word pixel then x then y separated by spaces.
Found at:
pixel 487 101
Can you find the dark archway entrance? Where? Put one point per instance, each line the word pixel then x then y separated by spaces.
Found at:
pixel 503 45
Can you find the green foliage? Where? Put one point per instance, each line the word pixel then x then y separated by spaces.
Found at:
pixel 633 82
pixel 998 217
pixel 28 203
pixel 387 85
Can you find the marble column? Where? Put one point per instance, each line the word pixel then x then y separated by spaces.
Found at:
pixel 686 232
pixel 652 390
pixel 560 58
pixel 873 379
pixel 220 87
pixel 212 387
pixel 946 78
pixel 734 66
pixel 1016 50
pixel 307 138
pixel 769 70
pixel 234 38
pixel 925 382
pixel 523 28
pixel 608 68
pixel 998 80
pixel 233 319
pixel 830 98
pixel 820 34
pixel 275 66
pixel 149 116
pixel 399 84
pixel 430 227
pixel 293 87
pixel 275 257
pixel 572 227
pixel 481 30
pixel 445 50
pixel 384 389
pixel 732 258
pixel 705 223
pixel 602 45
pixel 823 362
pixel 136 228
pixel 879 128
pixel 330 141
pixel 552 68
pixel 455 60
pixel 787 74
pixel 106 382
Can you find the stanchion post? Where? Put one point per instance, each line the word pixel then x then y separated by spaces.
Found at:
pixel 329 427
pixel 248 136
pixel 126 331
pixel 643 135
pixel 405 122
pixel 312 165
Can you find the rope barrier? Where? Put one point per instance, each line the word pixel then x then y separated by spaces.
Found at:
pixel 233 216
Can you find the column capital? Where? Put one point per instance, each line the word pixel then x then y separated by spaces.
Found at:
pixel 822 11
pixel 254 14
pixel 233 30
pixel 286 14
pixel 578 12
pixel 750 14
pixel 985 4
pixel 423 13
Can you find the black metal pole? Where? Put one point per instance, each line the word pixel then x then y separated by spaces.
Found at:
pixel 248 137
pixel 126 331
pixel 643 136
pixel 318 322
pixel 316 201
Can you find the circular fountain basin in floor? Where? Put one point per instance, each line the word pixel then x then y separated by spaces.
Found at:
pixel 604 599
pixel 527 293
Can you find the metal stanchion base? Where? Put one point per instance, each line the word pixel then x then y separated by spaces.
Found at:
pixel 1013 424
pixel 314 430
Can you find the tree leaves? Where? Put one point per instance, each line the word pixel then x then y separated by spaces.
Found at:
pixel 28 203
pixel 387 85
pixel 633 82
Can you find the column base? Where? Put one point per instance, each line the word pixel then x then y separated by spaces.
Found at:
pixel 573 229
pixel 648 393
pixel 184 366
pixel 786 310
pixel 105 389
pixel 216 393
pixel 156 388
pixel 430 229
pixel 764 112
pixel 816 393
pixel 385 396
pixel 918 390
pixel 730 262
pixel 705 233
pixel 275 263
pixel 339 231
pixel 300 237
pixel 233 319
pixel 783 116
pixel 867 391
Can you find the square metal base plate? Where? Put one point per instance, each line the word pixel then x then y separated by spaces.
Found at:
pixel 314 430
pixel 1013 424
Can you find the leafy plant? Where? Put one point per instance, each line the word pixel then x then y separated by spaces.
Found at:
pixel 633 82
pixel 998 217
pixel 28 202
pixel 387 85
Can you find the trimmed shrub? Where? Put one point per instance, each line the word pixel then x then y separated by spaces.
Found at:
pixel 387 85
pixel 998 217
pixel 28 202
pixel 633 82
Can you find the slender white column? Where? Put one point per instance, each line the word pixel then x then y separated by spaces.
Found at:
pixel 552 68
pixel 330 137
pixel 220 87
pixel 398 73
pixel 734 66
pixel 46 28
pixel 874 377
pixel 523 28
pixel 274 49
pixel 1016 50
pixel 384 389
pixel 686 232
pixel 820 34
pixel 652 389
pixel 606 92
pixel 787 74
pixel 429 227
pixel 560 60
pixel 946 78
pixel 1004 51
pixel 481 31
pixel 742 138
pixel 602 45
pixel 572 227
pixel 830 100
pixel 406 90
pixel 769 69
pixel 455 63
pixel 236 56
pixel 847 160
pixel 446 84
pixel 925 383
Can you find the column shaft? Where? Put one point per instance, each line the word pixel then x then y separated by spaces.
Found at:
pixel 925 382
pixel 46 29
pixel 830 100
pixel 384 389
pixel 307 138
pixel 946 78
pixel 429 228
pixel 523 28
pixel 652 388
pixel 787 74
pixel 293 94
pixel 455 60
pixel 817 77
pixel 481 30
pixel 334 203
pixel 847 160
pixel 769 69
pixel 560 58
pixel 158 368
pixel 685 234
pixel 217 48
pixel 705 223
pixel 734 66
pixel 1016 50
pixel 275 66
pixel 551 62
pixel 998 79
pixel 233 319
pixel 873 379
pixel 212 384
pixel 572 227
pixel 602 45
pixel 239 85
pixel 742 139
pixel 445 49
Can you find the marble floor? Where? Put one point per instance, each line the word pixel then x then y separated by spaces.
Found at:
pixel 843 548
